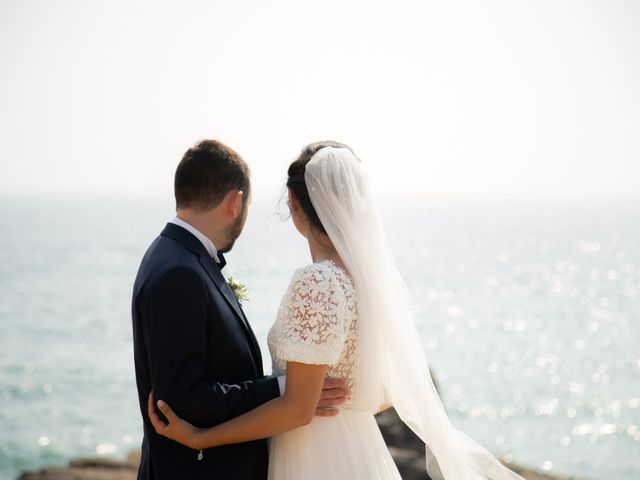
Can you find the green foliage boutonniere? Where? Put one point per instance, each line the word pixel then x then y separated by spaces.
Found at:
pixel 239 290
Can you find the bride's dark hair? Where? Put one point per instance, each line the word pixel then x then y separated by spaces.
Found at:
pixel 296 183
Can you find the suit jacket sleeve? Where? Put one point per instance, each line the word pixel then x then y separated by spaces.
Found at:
pixel 175 320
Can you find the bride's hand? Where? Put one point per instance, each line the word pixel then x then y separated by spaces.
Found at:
pixel 177 429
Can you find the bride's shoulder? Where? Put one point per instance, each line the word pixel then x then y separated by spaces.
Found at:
pixel 314 273
pixel 321 277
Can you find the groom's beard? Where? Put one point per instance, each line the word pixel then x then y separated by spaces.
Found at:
pixel 234 230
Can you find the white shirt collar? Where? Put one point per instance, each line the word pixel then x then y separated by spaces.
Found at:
pixel 206 241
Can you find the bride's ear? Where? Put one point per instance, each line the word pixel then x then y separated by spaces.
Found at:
pixel 294 205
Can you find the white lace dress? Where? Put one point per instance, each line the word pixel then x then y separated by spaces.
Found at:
pixel 317 324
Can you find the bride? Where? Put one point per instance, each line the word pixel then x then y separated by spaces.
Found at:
pixel 346 315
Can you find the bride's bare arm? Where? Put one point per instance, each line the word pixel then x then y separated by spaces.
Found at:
pixel 294 409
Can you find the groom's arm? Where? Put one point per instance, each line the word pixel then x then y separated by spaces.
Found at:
pixel 175 337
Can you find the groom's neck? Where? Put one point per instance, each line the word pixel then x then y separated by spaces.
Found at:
pixel 206 222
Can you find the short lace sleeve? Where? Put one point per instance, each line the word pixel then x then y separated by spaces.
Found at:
pixel 315 322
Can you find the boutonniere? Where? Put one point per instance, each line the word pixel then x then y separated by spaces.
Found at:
pixel 240 291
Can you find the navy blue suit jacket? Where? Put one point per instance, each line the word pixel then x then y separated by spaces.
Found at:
pixel 194 347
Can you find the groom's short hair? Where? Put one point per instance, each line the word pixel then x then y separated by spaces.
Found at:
pixel 207 172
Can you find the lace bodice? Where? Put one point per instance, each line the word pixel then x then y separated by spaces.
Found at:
pixel 317 322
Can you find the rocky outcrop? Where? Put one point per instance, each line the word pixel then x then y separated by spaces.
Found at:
pixel 90 469
pixel 406 449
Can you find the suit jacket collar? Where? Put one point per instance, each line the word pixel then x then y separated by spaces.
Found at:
pixel 189 240
pixel 185 238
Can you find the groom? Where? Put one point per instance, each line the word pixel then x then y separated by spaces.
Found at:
pixel 193 344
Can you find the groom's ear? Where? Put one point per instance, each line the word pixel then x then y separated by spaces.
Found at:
pixel 233 203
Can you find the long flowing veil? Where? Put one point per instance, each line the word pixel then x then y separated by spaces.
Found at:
pixel 391 363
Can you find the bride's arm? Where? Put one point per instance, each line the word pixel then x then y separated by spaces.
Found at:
pixel 294 409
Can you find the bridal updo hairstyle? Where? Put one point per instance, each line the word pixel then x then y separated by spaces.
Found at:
pixel 206 173
pixel 296 183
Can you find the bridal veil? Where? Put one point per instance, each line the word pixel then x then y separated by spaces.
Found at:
pixel 391 364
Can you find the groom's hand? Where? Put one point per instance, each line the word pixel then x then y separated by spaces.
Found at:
pixel 334 392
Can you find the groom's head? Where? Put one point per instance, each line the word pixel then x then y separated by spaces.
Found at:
pixel 212 190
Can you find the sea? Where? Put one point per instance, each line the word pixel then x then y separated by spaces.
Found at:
pixel 528 310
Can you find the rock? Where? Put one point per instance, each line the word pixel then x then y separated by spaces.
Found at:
pixel 87 469
pixel 405 447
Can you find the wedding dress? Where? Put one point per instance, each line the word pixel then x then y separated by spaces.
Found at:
pixel 361 325
pixel 317 323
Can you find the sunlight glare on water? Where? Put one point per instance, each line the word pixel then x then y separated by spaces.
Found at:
pixel 528 314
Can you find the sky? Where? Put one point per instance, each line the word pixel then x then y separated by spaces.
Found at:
pixel 437 97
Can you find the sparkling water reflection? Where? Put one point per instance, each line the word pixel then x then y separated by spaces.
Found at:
pixel 528 313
